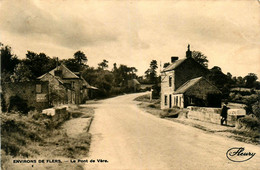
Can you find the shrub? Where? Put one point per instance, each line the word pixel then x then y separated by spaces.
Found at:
pixel 249 122
pixel 256 109
pixel 18 104
pixel 173 112
pixel 152 106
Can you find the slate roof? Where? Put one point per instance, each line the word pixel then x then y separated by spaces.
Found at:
pixel 186 86
pixel 174 65
pixel 66 73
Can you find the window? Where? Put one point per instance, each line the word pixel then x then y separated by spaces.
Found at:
pixel 177 101
pixel 165 100
pixel 170 81
pixel 38 88
pixel 72 84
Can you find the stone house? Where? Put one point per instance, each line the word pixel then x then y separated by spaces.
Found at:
pixel 33 93
pixel 65 86
pixel 134 84
pixel 183 84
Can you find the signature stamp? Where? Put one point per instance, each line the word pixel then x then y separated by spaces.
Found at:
pixel 238 154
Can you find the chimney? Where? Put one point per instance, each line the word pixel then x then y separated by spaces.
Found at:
pixel 188 52
pixel 174 58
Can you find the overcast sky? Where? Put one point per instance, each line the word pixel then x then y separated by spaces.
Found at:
pixel 135 32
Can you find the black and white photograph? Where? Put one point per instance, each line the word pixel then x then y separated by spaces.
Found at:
pixel 130 84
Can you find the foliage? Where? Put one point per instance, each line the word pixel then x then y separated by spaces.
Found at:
pixel 3 103
pixel 250 80
pixel 72 64
pixel 249 122
pixel 8 60
pixel 166 65
pixel 80 57
pixel 200 58
pixel 151 73
pixel 39 64
pixel 103 65
pixel 256 109
pixel 18 104
pixel 21 73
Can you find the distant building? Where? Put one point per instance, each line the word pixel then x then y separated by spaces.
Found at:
pixel 65 86
pixel 134 84
pixel 183 84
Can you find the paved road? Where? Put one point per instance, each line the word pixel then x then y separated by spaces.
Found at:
pixel 132 139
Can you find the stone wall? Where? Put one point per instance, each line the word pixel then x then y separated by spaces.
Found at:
pixel 58 114
pixel 213 114
pixel 35 93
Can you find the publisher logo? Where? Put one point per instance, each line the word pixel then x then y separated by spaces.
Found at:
pixel 238 154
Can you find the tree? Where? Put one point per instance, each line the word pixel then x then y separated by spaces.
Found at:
pixel 8 60
pixel 240 81
pixel 103 65
pixel 21 73
pixel 80 57
pixel 250 80
pixel 72 64
pixel 166 65
pixel 200 58
pixel 219 79
pixel 151 73
pixel 39 64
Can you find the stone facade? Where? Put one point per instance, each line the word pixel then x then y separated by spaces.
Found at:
pixel 34 93
pixel 179 85
pixel 65 86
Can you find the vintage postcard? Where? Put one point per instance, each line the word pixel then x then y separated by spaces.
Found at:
pixel 130 85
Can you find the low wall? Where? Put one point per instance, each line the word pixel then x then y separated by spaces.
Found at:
pixel 57 115
pixel 213 114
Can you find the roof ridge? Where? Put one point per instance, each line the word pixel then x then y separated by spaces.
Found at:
pixel 68 70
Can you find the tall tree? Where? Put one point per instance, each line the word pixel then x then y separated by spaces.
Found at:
pixel 250 80
pixel 151 73
pixel 200 58
pixel 8 60
pixel 80 57
pixel 39 64
pixel 21 73
pixel 103 64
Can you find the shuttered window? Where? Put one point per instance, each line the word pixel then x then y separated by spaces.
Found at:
pixel 38 88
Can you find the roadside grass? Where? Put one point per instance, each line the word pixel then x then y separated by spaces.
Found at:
pixel 247 129
pixel 31 137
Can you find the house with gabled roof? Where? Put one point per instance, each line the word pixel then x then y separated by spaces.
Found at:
pixel 184 83
pixel 65 86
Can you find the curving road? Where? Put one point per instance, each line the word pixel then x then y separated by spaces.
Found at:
pixel 129 138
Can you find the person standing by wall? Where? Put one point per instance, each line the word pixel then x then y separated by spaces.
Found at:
pixel 224 113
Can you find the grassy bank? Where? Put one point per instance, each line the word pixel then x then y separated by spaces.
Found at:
pixel 36 136
pixel 247 128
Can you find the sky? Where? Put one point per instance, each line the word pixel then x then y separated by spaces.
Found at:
pixel 136 32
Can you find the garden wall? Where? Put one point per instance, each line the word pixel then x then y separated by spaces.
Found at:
pixel 213 114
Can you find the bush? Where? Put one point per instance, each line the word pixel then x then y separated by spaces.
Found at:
pixel 256 109
pixel 173 112
pixel 249 122
pixel 152 106
pixel 18 104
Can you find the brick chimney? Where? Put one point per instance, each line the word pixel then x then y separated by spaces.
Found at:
pixel 188 52
pixel 174 58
